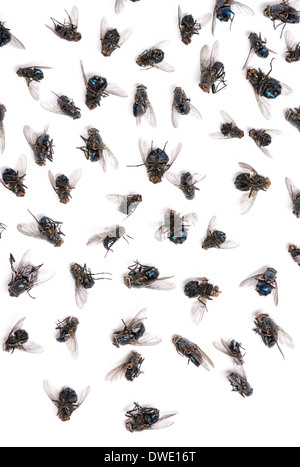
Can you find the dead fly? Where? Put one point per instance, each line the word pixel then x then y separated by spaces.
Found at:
pixel 293 48
pixel 189 27
pixel 84 280
pixel 293 117
pixel 146 418
pixel 126 204
pixel 69 29
pixel 6 37
pixel 2 228
pixel 240 384
pixel 282 12
pixel 95 150
pixel 63 105
pixel 216 238
pixel 134 333
pixel 13 179
pixel 97 88
pixel 131 369
pixel 250 181
pixel 120 4
pixel 271 334
pixel 63 185
pixel 295 253
pixel 188 349
pixel 232 349
pixel 175 227
pixel 201 289
pixel 155 58
pixel 41 145
pixel 111 39
pixel 295 197
pixel 67 334
pixel 43 229
pixel 225 11
pixel 156 161
pixel 229 129
pixel 26 276
pixel 212 71
pixel 263 139
pixel 33 76
pixel 66 400
pixel 182 106
pixel 2 131
pixel 140 276
pixel 266 88
pixel 265 284
pixel 109 238
pixel 257 47
pixel 18 339
pixel 142 107
pixel 186 182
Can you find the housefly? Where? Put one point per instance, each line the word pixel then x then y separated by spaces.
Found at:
pixel 97 88
pixel 120 4
pixel 212 71
pixel 257 47
pixel 293 48
pixel 265 88
pixel 2 228
pixel 293 117
pixel 67 334
pixel 295 253
pixel 216 238
pixel 142 107
pixel 270 333
pixel 95 150
pixel 186 182
pixel 263 139
pixel 2 131
pixel 130 369
pixel 63 105
pixel 126 204
pixel 283 13
pixel 84 280
pixel 240 384
pixel 18 339
pixel 13 179
pixel 26 276
pixel 111 39
pixel 265 283
pixel 140 276
pixel 6 37
pixel 295 197
pixel 192 352
pixel 155 58
pixel 225 11
pixel 134 333
pixel 189 26
pixel 43 229
pixel 201 289
pixel 109 238
pixel 146 418
pixel 33 76
pixel 228 129
pixel 175 227
pixel 156 161
pixel 62 185
pixel 67 30
pixel 233 349
pixel 41 145
pixel 182 106
pixel 66 400
pixel 250 181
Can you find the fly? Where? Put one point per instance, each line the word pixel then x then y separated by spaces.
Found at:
pixel 120 4
pixel 43 229
pixel 109 238
pixel 41 145
pixel 13 179
pixel 84 280
pixel 263 139
pixel 216 238
pixel 95 150
pixel 265 284
pixel 140 276
pixel 33 76
pixel 189 26
pixel 134 333
pixel 155 58
pixel 111 39
pixel 18 339
pixel 192 352
pixel 66 400
pixel 6 37
pixel 67 30
pixel 257 47
pixel 250 181
pixel 146 418
pixel 283 13
pixel 182 106
pixel 225 11
pixel 233 349
pixel 293 117
pixel 2 131
pixel 186 182
pixel 295 197
pixel 63 106
pixel 142 107
pixel 229 129
pixel 201 289
pixel 212 71
pixel 271 333
pixel 126 204
pixel 130 369
pixel 67 334
pixel 240 384
pixel 62 185
pixel 295 253
pixel 175 227
pixel 293 48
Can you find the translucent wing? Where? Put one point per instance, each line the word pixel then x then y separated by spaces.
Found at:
pixel 165 66
pixel 83 73
pixel 34 89
pixel 284 338
pixel 119 6
pixel 161 284
pixel 196 178
pixel 174 179
pixel 247 202
pixel 74 16
pixel 43 276
pixel 31 230
pixel 190 219
pixel 81 295
pixel 264 106
pixel 227 118
pixel 198 310
pixel 248 58
pixel 251 281
pixel 161 234
pixel 163 422
pixel 241 8
pixel 138 319
pixel 83 395
pixel 212 226
pixel 214 21
pixel 117 199
pixel 103 28
pixel 175 116
pixel 24 263
pixel 116 90
pixel 124 36
pixel 214 53
pixel 219 135
pixel 52 180
pixel 108 156
pixel 52 106
pixel 18 326
pixel 2 138
pixel 31 347
pixel 229 244
pixel 30 135
pixel 21 165
pixel 145 149
pixel 150 116
pixel 205 58
pixel 290 41
pixel 75 177
pixel 148 340
pixel 195 112
pixel 72 346
pixel 16 43
pixel 223 347
pixel 116 373
pixel 248 168
pixel 204 20
pixel 275 294
pixel 285 89
pixel 175 154
pixel 97 239
pixel 265 151
pixel 51 392
pixel 293 191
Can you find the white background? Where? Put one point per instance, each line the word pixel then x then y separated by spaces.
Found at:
pixel 209 414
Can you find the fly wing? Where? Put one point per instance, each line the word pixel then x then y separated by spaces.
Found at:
pixel 31 230
pixel 212 226
pixel 162 284
pixel 198 310
pixel 75 177
pixel 229 244
pixel 31 347
pixel 51 392
pixel 163 422
pixel 190 219
pixel 43 276
pixel 195 112
pixel 241 8
pixel 30 135
pixel 174 179
pixel 108 156
pixel 116 373
pixel 138 319
pixel 97 239
pixel 116 90
pixel 223 347
pixel 74 16
pixel 214 53
pixel 290 41
pixel 83 395
pixel 251 281
pixel 145 149
pixel 204 58
pixel 81 295
pixel 175 116
pixel 17 327
pixel 227 118
pixel 275 294
pixel 165 66
pixel 34 89
pixel 2 138
pixel 266 151
pixel 150 116
pixel 161 234
pixel 204 20
pixel 16 43
pixel 264 106
pixel 52 180
pixel 119 6
pixel 175 154
pixel 124 36
pixel 24 263
pixel 148 340
pixel 21 166
pixel 83 73
pixel 248 168
pixel 214 21
pixel 103 28
pixel 72 346
pixel 284 338
pixel 293 191
pixel 117 199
